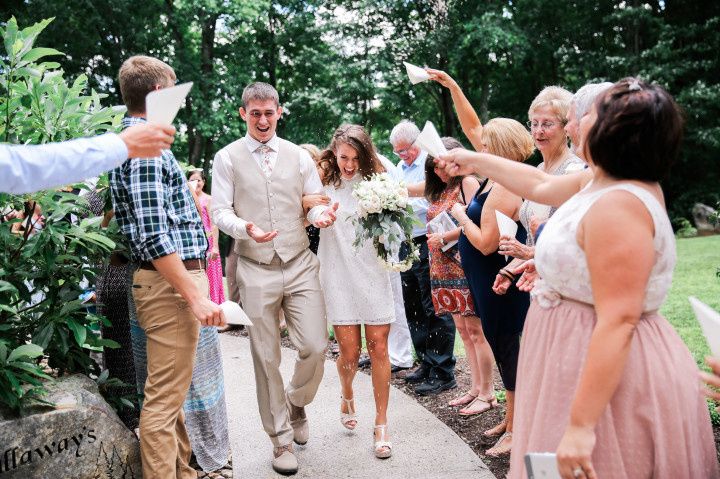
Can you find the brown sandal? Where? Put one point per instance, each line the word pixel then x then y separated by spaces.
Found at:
pixel 506 434
pixel 463 400
pixel 469 411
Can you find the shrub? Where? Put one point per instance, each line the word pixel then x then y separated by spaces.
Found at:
pixel 42 270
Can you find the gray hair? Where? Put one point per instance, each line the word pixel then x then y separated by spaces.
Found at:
pixel 405 131
pixel 585 97
pixel 260 91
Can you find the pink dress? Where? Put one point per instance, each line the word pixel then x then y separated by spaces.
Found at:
pixel 214 266
pixel 657 423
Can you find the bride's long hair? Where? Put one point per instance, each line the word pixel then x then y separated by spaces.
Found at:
pixel 356 137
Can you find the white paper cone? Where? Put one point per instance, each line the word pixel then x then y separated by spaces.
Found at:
pixel 506 225
pixel 234 314
pixel 415 73
pixel 430 141
pixel 709 322
pixel 162 105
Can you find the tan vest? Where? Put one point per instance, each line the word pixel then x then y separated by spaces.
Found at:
pixel 273 203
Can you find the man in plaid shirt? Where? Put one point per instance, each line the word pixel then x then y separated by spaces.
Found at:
pixel 161 223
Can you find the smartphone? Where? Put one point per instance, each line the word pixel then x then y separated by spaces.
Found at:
pixel 541 465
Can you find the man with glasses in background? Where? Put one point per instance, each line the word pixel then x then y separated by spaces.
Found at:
pixel 433 336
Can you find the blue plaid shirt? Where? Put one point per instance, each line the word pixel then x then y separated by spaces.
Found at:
pixel 154 207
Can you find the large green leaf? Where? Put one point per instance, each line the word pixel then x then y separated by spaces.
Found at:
pixel 78 331
pixel 37 53
pixel 26 350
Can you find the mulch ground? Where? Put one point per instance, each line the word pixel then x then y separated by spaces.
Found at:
pixel 469 429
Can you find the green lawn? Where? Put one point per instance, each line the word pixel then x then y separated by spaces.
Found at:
pixel 695 275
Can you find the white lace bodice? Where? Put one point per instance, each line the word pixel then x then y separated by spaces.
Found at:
pixel 562 264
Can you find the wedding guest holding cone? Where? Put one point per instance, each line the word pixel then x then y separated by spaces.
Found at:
pixel 157 215
pixel 450 291
pixel 502 316
pixel 433 336
pixel 606 260
pixel 357 288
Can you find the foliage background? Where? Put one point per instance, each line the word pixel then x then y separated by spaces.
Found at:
pixel 336 61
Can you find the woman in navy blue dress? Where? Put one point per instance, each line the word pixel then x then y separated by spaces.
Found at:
pixel 502 316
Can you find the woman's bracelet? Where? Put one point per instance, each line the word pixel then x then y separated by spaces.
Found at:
pixel 507 274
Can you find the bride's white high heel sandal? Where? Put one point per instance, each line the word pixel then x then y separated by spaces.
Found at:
pixel 348 419
pixel 383 448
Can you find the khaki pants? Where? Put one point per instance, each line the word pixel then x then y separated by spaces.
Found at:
pixel 231 275
pixel 172 335
pixel 295 287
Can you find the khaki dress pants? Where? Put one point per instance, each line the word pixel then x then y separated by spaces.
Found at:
pixel 172 336
pixel 293 287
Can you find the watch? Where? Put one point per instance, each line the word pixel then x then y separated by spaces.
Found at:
pixel 442 241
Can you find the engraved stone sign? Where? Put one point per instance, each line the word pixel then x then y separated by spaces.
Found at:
pixel 81 437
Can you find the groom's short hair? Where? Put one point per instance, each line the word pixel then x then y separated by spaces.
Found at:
pixel 259 91
pixel 138 76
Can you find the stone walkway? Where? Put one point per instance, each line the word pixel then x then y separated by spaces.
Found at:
pixel 423 447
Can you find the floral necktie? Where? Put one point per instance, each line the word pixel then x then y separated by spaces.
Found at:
pixel 265 162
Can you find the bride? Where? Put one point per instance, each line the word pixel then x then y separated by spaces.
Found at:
pixel 357 289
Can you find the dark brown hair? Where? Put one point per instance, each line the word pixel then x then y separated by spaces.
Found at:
pixel 139 75
pixel 434 186
pixel 356 137
pixel 637 133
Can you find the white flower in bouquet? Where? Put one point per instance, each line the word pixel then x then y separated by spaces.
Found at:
pixel 385 216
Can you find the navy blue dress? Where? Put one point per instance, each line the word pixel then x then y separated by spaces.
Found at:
pixel 502 316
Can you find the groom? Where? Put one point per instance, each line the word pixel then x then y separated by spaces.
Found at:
pixel 257 189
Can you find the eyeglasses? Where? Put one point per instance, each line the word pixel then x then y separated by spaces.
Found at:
pixel 402 152
pixel 546 125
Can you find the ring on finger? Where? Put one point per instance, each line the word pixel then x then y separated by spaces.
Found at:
pixel 578 472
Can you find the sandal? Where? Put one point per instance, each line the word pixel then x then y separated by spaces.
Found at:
pixel 478 401
pixel 495 430
pixel 463 400
pixel 348 419
pixel 498 444
pixel 383 449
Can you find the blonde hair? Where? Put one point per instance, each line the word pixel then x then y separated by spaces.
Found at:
pixel 555 97
pixel 508 138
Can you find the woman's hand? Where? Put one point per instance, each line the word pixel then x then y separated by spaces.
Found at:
pixel 434 240
pixel 529 275
pixel 501 284
pixel 311 201
pixel 214 253
pixel 712 379
pixel 459 212
pixel 459 162
pixel 442 78
pixel 574 453
pixel 511 247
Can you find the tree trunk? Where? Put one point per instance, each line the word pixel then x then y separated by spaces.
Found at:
pixel 484 98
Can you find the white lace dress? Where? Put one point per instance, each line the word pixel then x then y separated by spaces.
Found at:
pixel 357 289
pixel 656 423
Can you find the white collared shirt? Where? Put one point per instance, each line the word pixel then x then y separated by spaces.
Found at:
pixel 223 213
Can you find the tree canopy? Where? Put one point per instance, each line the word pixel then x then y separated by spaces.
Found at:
pixel 341 61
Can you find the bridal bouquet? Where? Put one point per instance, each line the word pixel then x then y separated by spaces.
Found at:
pixel 385 216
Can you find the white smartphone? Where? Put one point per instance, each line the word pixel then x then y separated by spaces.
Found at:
pixel 541 465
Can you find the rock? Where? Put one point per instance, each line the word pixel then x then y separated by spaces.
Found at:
pixel 81 437
pixel 702 217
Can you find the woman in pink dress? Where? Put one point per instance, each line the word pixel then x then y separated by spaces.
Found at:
pixel 214 264
pixel 604 381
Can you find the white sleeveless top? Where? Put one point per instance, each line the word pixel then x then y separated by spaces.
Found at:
pixel 562 264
